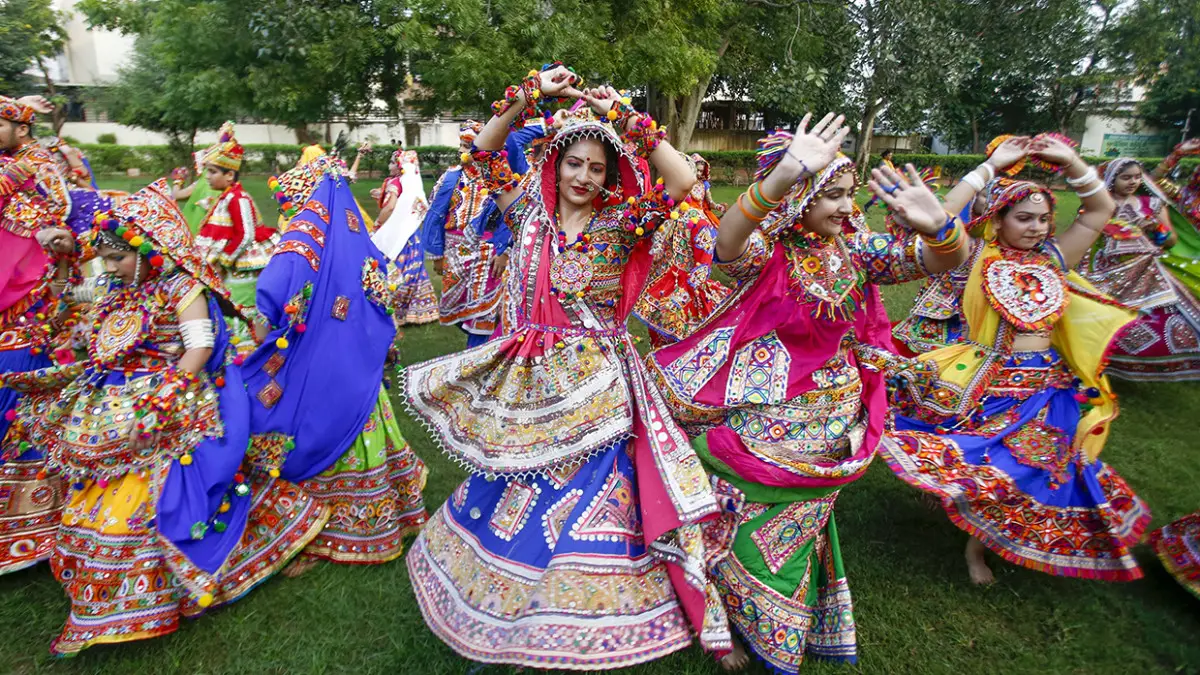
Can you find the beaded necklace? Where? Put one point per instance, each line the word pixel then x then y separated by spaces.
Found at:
pixel 824 271
pixel 571 270
pixel 122 319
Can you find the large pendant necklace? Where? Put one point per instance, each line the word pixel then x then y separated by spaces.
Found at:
pixel 824 271
pixel 122 321
pixel 1026 288
pixel 571 270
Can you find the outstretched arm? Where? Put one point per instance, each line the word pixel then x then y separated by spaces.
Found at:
pixel 808 153
pixel 946 244
pixel 1009 153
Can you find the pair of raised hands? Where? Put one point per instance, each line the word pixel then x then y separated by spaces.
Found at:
pixel 558 82
pixel 811 150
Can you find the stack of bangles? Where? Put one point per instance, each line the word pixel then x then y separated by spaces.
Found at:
pixel 948 239
pixel 1090 176
pixel 759 201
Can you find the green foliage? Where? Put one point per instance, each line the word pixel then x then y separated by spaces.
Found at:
pixel 29 30
pixel 1160 39
pixel 200 62
pixel 106 139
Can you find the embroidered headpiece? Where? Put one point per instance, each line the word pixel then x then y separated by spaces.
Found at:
pixel 1114 168
pixel 469 130
pixel 228 155
pixel 14 111
pixel 1014 192
pixel 802 195
pixel 149 222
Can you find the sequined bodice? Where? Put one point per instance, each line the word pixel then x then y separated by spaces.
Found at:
pixel 141 332
pixel 588 282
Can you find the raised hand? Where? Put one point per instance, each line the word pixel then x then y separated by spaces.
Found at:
pixel 364 148
pixel 1052 150
pixel 56 240
pixel 909 198
pixel 813 150
pixel 1010 152
pixel 601 99
pixel 40 104
pixel 559 82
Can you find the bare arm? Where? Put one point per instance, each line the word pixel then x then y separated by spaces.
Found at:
pixel 1167 165
pixel 389 205
pixel 554 82
pixel 362 150
pixel 915 204
pixel 181 194
pixel 808 153
pixel 1009 153
pixel 193 360
pixel 1096 204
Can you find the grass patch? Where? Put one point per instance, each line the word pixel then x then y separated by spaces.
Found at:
pixel 916 611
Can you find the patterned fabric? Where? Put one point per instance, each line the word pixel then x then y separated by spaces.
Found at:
pixel 565 388
pixel 1012 477
pixel 470 291
pixel 373 494
pixel 30 509
pixel 1164 343
pixel 548 572
pixel 680 293
pixel 1178 547
pixel 14 111
pixel 785 392
pixel 414 300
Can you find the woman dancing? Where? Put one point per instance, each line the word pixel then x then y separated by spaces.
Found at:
pixel 1164 343
pixel 575 543
pixel 402 207
pixel 321 417
pixel 1008 434
pixel 784 388
pixel 150 432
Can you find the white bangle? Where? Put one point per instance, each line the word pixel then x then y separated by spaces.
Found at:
pixel 973 180
pixel 1096 190
pixel 197 334
pixel 990 171
pixel 1088 176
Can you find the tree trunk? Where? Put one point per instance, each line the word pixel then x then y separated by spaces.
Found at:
pixel 59 117
pixel 685 126
pixel 866 129
pixel 975 135
pixel 304 135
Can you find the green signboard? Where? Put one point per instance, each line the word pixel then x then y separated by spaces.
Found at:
pixel 1135 145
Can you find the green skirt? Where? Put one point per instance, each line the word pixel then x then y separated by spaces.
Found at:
pixel 783 583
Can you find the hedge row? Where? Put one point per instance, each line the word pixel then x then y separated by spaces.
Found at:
pixel 732 166
pixel 159 160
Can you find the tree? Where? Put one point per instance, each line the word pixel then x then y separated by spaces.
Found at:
pixel 294 63
pixel 466 52
pixel 1160 42
pixel 161 91
pixel 909 56
pixel 31 34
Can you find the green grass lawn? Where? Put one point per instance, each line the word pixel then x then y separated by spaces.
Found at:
pixel 915 609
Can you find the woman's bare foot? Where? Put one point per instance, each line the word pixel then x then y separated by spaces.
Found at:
pixel 299 566
pixel 977 567
pixel 737 659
